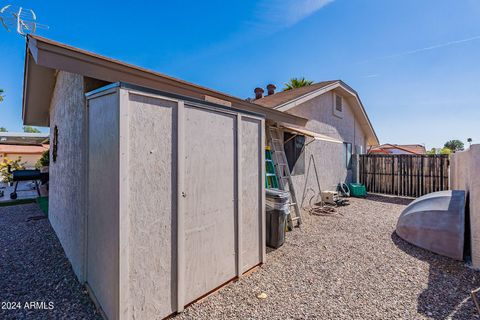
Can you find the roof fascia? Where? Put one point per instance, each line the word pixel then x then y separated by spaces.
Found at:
pixel 60 57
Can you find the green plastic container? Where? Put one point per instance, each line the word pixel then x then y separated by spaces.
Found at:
pixel 357 190
pixel 43 204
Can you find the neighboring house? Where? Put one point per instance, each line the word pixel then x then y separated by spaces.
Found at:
pixel 156 184
pixel 337 127
pixel 398 149
pixel 28 146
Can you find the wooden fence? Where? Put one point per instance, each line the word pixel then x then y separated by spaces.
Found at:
pixel 404 175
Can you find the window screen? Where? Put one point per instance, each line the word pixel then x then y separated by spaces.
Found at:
pixel 294 151
pixel 338 103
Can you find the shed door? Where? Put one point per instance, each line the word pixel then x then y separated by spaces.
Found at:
pixel 209 200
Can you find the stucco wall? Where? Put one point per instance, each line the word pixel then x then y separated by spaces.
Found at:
pixel 465 175
pixel 319 111
pixel 330 164
pixel 66 195
pixel 328 156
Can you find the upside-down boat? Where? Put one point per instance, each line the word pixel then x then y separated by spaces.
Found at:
pixel 436 222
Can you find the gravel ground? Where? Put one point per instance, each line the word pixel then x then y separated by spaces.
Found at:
pixel 348 266
pixel 34 269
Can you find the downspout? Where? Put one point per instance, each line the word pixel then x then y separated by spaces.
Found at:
pixel 354 134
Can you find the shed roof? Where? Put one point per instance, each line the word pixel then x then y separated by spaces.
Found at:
pixel 24 138
pixel 44 57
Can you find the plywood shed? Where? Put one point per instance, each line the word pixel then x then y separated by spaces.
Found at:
pixel 156 186
pixel 148 256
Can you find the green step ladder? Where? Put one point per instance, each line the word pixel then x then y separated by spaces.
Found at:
pixel 271 180
pixel 284 178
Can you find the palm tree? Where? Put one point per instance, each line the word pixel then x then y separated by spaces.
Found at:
pixel 297 83
pixel 1 95
pixel 469 140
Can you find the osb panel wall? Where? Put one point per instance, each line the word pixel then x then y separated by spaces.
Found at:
pixel 66 194
pixel 103 202
pixel 152 206
pixel 465 175
pixel 210 158
pixel 251 205
pixel 210 193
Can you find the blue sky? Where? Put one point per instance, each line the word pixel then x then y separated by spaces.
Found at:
pixel 415 63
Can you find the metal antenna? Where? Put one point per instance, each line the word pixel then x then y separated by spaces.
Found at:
pixel 21 19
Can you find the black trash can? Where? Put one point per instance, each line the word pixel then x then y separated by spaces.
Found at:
pixel 277 210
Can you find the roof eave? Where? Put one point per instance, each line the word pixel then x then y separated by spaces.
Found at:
pixel 37 92
pixel 55 56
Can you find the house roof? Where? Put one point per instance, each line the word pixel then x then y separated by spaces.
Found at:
pixel 417 148
pixel 282 97
pixel 285 100
pixel 44 57
pixel 22 149
pixel 24 138
pixel 410 148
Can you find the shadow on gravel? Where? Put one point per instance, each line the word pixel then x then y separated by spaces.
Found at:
pixel 449 284
pixel 36 278
pixel 389 199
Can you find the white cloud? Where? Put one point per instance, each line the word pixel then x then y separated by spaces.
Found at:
pixel 269 17
pixel 278 14
pixel 375 75
pixel 415 51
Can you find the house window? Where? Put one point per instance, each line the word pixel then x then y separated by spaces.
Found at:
pixel 293 146
pixel 358 149
pixel 338 105
pixel 347 154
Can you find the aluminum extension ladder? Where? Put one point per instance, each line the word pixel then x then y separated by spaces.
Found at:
pixel 275 138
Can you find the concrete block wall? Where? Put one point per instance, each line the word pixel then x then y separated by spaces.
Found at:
pixel 465 175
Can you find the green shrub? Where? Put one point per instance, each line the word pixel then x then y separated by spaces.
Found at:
pixel 5 176
pixel 44 161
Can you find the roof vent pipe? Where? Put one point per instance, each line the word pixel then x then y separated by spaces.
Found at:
pixel 258 93
pixel 271 89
